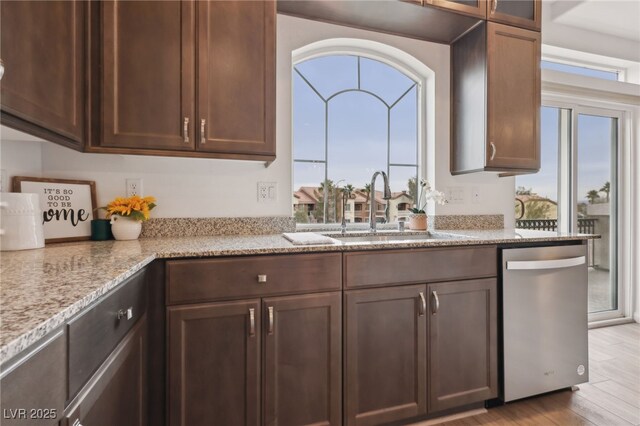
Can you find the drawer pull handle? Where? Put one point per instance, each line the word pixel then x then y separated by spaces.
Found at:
pixel 262 278
pixel 423 305
pixel 125 314
pixel 203 136
pixel 270 310
pixel 252 322
pixel 436 308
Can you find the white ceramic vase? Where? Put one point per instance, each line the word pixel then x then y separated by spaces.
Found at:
pixel 125 228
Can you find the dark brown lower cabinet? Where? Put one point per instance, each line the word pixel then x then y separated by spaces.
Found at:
pixel 302 360
pixel 34 388
pixel 214 363
pixel 463 363
pixel 117 393
pixel 385 354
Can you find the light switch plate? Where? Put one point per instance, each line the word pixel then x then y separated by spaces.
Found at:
pixel 454 194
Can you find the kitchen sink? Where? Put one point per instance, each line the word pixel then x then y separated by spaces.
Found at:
pixel 391 238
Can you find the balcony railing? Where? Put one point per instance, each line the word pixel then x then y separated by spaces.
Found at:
pixel 585 225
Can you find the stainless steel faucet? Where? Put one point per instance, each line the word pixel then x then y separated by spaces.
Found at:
pixel 372 197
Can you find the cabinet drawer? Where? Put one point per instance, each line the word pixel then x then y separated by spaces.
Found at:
pixel 94 334
pixel 228 278
pixel 394 267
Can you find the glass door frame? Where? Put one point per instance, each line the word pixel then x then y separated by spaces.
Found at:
pixel 620 196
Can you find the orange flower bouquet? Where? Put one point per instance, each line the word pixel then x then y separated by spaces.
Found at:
pixel 137 208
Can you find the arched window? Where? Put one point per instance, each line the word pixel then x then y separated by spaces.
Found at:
pixel 352 115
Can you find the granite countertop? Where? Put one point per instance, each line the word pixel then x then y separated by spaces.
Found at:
pixel 41 289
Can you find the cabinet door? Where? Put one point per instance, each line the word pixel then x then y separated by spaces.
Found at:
pixel 214 364
pixel 117 393
pixel 463 343
pixel 236 77
pixel 42 46
pixel 385 354
pixel 37 381
pixel 521 13
pixel 148 75
pixel 302 359
pixel 477 8
pixel 513 98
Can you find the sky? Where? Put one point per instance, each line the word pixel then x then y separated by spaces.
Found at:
pixel 358 122
pixel 594 155
pixel 358 129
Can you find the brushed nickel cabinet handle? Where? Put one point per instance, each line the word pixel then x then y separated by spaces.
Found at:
pixel 262 278
pixel 423 305
pixel 494 5
pixel 493 151
pixel 185 130
pixel 252 322
pixel 125 314
pixel 203 126
pixel 270 311
pixel 436 308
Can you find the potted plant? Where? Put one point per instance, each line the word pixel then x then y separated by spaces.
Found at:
pixel 418 217
pixel 127 215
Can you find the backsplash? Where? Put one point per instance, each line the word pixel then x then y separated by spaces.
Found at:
pixel 464 221
pixel 199 227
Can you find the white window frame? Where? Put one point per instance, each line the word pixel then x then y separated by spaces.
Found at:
pixel 389 55
pixel 591 101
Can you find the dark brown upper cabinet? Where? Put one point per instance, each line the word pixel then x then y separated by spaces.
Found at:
pixel 186 78
pixel 303 360
pixel 236 77
pixel 520 13
pixel 476 8
pixel 385 355
pixel 42 46
pixel 147 75
pixel 463 343
pixel 495 100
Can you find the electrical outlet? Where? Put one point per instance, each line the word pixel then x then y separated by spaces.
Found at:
pixel 134 187
pixel 4 182
pixel 267 192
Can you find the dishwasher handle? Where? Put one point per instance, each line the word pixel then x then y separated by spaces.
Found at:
pixel 524 265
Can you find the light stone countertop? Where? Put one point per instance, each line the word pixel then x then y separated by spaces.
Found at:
pixel 43 288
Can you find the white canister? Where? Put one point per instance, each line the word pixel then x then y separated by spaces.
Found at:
pixel 20 221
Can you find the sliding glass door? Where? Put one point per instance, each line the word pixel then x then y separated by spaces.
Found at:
pixel 576 190
pixel 595 203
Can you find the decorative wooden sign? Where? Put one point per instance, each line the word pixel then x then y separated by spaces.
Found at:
pixel 68 206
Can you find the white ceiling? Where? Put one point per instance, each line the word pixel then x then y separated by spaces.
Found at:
pixel 618 18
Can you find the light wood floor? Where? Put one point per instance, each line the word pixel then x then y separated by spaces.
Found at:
pixel 611 398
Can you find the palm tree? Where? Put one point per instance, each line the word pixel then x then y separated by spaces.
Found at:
pixel 592 196
pixel 367 190
pixel 606 188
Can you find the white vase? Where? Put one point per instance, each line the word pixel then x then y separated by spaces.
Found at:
pixel 125 228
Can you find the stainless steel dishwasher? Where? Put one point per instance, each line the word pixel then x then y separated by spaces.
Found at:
pixel 544 319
